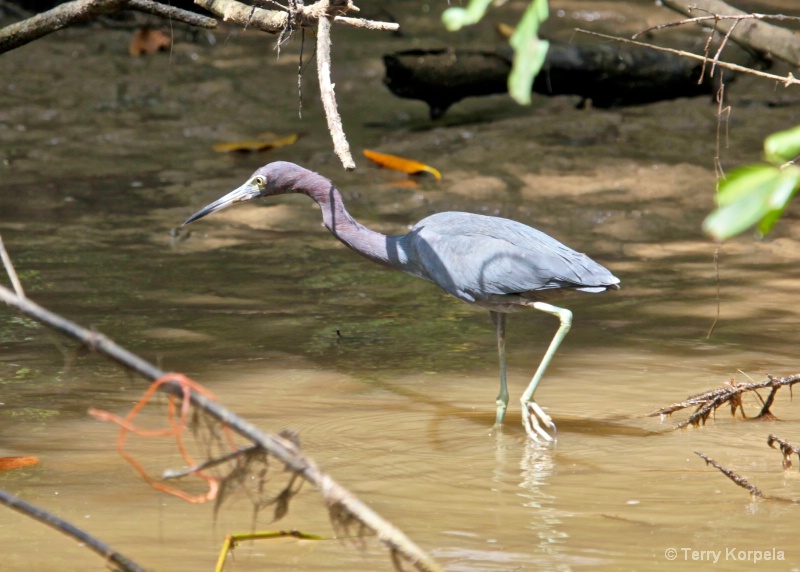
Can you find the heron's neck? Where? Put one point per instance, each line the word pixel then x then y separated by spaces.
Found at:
pixel 381 248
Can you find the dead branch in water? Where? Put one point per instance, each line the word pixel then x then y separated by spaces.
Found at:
pixel 742 482
pixel 707 403
pixel 738 479
pixel 343 507
pixel 786 448
pixel 110 555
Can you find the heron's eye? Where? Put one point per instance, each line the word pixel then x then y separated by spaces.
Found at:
pixel 260 182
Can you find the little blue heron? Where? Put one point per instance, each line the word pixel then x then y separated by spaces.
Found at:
pixel 495 263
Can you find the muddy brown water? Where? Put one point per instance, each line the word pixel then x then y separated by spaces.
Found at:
pixel 103 156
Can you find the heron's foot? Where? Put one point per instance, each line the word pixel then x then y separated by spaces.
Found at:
pixel 501 411
pixel 537 422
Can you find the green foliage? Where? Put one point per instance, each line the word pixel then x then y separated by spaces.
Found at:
pixel 783 146
pixel 456 18
pixel 757 194
pixel 529 51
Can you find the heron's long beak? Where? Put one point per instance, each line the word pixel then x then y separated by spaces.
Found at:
pixel 244 193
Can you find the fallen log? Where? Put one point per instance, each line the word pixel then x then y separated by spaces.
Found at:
pixel 602 75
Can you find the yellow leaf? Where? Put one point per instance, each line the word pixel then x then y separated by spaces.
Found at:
pixel 254 145
pixel 400 163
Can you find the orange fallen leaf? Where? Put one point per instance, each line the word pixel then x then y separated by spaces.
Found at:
pixel 254 145
pixel 146 41
pixel 15 462
pixel 400 163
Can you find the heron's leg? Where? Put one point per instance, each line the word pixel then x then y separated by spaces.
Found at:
pixel 531 412
pixel 499 321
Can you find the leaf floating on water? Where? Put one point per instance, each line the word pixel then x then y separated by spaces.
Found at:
pixel 16 462
pixel 254 145
pixel 146 41
pixel 400 163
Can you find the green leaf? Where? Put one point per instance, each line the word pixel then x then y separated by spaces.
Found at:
pixel 783 146
pixel 750 195
pixel 456 18
pixel 529 52
pixel 742 181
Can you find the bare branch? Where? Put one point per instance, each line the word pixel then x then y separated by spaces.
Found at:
pixel 109 554
pixel 272 21
pixel 788 449
pixel 708 402
pixel 367 24
pixel 752 32
pixel 787 80
pixel 340 144
pixel 275 21
pixel 60 17
pixel 172 13
pixel 738 479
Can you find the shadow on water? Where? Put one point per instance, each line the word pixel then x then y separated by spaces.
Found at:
pixel 389 382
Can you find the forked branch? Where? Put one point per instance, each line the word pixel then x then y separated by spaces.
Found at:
pixel 707 403
pixel 751 31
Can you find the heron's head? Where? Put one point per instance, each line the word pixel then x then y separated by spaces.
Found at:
pixel 273 179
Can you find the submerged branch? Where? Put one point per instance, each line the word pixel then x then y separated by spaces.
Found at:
pixel 738 479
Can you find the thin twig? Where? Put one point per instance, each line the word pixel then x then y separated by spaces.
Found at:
pixel 753 34
pixel 787 80
pixel 367 24
pixel 716 17
pixel 207 464
pixel 340 144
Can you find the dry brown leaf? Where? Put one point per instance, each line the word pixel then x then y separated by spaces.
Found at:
pixel 146 41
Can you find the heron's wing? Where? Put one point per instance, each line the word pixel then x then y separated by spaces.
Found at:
pixel 473 257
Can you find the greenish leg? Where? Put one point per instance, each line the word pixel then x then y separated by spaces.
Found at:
pixel 531 412
pixel 499 321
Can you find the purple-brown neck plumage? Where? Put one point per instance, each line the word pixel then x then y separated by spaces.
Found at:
pixel 378 247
